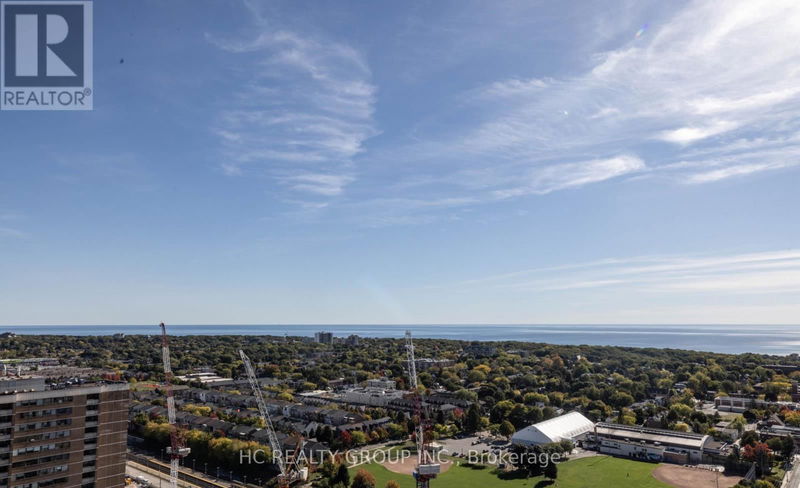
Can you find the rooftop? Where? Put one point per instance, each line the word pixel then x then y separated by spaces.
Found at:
pixel 650 435
pixel 565 426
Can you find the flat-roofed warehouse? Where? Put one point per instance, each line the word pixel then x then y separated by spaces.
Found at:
pixel 650 444
pixel 566 426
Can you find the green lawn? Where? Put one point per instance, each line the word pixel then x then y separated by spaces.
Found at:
pixel 591 472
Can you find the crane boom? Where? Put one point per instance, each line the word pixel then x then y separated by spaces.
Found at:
pixel 412 362
pixel 412 375
pixel 176 450
pixel 427 468
pixel 262 409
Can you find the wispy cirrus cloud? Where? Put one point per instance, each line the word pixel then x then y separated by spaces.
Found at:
pixel 321 184
pixel 547 179
pixel 737 170
pixel 747 273
pixel 513 87
pixel 739 158
pixel 6 229
pixel 707 93
pixel 688 135
pixel 302 111
pixel 699 80
pixel 13 233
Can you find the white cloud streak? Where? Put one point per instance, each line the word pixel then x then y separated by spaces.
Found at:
pixel 13 233
pixel 750 273
pixel 321 184
pixel 708 93
pixel 709 76
pixel 302 112
pixel 547 179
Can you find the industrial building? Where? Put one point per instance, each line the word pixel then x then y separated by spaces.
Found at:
pixel 568 426
pixel 67 436
pixel 742 404
pixel 651 444
pixel 635 442
pixel 382 383
pixel 374 397
pixel 424 364
pixel 207 378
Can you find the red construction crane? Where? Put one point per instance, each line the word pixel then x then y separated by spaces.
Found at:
pixel 427 467
pixel 176 450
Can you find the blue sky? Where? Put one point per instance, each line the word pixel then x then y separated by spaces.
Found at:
pixel 425 162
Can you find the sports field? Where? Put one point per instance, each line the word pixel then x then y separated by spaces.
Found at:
pixel 591 472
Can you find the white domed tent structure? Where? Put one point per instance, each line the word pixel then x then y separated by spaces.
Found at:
pixel 567 426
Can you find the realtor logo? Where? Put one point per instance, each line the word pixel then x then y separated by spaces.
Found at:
pixel 46 55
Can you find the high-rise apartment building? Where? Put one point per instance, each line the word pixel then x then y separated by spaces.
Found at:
pixel 70 436
pixel 323 337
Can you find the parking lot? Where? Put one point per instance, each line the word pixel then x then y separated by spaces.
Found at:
pixel 480 444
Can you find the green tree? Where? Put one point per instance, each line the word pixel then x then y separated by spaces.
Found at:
pixel 342 475
pixel 328 470
pixel 395 431
pixel 473 421
pixel 476 377
pixel 787 447
pixel 749 438
pixel 551 471
pixel 507 429
pixel 738 423
pixel 358 438
pixel 763 484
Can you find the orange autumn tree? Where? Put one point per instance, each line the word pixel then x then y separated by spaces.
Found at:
pixel 760 454
pixel 791 417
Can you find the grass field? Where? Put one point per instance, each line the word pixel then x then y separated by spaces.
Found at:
pixel 591 472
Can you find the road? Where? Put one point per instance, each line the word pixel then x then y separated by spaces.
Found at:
pixel 156 479
pixel 792 478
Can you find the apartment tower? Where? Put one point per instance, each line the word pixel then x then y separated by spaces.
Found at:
pixel 62 436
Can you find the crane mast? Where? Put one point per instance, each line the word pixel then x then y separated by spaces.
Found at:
pixel 427 468
pixel 412 374
pixel 285 476
pixel 176 450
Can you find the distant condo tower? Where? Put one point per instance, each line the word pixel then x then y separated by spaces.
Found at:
pixel 323 337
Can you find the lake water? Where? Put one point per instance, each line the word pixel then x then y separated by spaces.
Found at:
pixel 766 339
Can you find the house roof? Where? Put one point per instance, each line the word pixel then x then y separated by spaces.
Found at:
pixel 243 430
